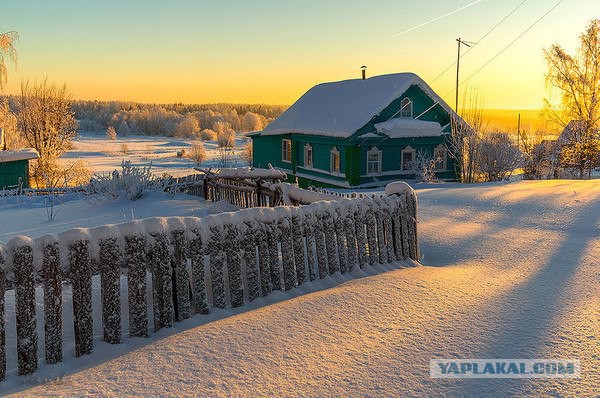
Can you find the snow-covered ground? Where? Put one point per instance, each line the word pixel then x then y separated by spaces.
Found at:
pixel 510 271
pixel 103 155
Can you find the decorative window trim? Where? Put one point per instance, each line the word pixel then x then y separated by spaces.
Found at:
pixel 406 150
pixel 333 167
pixel 441 149
pixel 406 108
pixel 379 153
pixel 309 156
pixel 286 150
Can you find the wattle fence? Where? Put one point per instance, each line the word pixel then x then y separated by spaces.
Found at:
pixel 181 266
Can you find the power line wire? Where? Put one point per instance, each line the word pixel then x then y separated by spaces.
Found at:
pixel 507 46
pixel 480 40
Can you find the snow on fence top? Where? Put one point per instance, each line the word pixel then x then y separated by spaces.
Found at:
pixel 251 174
pixel 234 257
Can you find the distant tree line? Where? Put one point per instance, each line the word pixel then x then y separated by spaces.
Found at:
pixel 172 119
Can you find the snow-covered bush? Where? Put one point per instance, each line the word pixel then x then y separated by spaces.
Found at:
pixel 132 182
pixel 423 167
pixel 208 135
pixel 111 133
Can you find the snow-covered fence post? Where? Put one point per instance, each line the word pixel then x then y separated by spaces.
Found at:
pixel 320 241
pixel 110 284
pixel 2 325
pixel 347 213
pixel 370 223
pixel 159 262
pixel 412 222
pixel 234 264
pixel 361 237
pixel 217 264
pixel 405 228
pixel 135 262
pixel 381 247
pixel 387 211
pixel 182 278
pixel 52 276
pixel 273 239
pixel 80 271
pixel 397 226
pixel 287 252
pixel 198 274
pixel 408 217
pixel 330 240
pixel 248 244
pixel 21 248
pixel 340 234
pixel 309 232
pixel 264 260
pixel 298 243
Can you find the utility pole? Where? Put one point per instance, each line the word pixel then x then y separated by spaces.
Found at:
pixel 459 41
pixel 519 132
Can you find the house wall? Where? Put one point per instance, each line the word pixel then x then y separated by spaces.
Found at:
pixel 11 171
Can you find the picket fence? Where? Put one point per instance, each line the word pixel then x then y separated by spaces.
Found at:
pixel 193 265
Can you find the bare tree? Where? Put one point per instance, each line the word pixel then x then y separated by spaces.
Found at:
pixel 197 152
pixel 246 153
pixel 462 146
pixel 7 50
pixel 497 157
pixel 45 118
pixel 576 81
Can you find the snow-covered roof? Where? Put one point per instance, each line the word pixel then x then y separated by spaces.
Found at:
pixel 21 154
pixel 338 109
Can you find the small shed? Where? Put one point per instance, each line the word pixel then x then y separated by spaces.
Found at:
pixel 14 165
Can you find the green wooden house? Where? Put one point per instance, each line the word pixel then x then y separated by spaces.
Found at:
pixel 358 133
pixel 14 168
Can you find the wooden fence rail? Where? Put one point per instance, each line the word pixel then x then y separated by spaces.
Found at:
pixel 195 264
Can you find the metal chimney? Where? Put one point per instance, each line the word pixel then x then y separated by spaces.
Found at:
pixel 364 72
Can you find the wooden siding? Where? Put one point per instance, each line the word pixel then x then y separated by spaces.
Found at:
pixel 11 171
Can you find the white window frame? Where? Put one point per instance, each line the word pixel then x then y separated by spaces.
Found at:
pixel 443 154
pixel 309 156
pixel 333 154
pixel 407 150
pixel 286 149
pixel 406 108
pixel 377 163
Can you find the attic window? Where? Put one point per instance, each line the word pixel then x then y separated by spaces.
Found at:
pixel 308 155
pixel 406 109
pixel 373 161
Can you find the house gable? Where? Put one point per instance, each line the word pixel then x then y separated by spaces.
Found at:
pixel 423 107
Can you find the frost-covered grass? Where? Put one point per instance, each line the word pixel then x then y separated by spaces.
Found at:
pixel 511 272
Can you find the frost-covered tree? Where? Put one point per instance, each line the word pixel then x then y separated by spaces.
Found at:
pixel 111 133
pixel 246 153
pixel 497 157
pixel 576 82
pixel 197 152
pixel 188 127
pixel 46 120
pixel 7 50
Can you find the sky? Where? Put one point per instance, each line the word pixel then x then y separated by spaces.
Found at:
pixel 272 51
